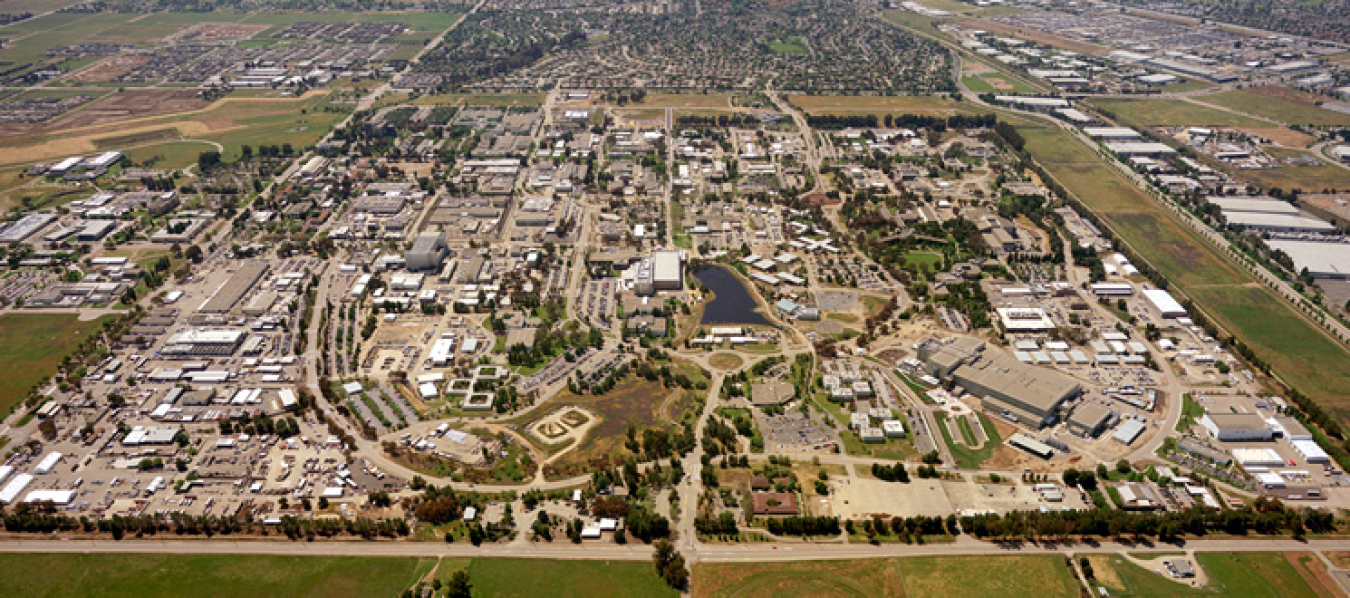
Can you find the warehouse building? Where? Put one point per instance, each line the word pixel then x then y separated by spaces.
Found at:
pixel 198 342
pixel 1017 391
pixel 1089 420
pixel 1279 222
pixel 234 289
pixel 1321 260
pixel 1237 427
pixel 25 227
pixel 1163 302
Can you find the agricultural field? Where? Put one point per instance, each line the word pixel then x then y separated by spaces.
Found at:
pixel 1298 351
pixel 32 346
pixel 1003 576
pixel 1281 104
pixel 167 575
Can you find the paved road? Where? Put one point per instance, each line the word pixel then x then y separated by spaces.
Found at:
pixel 715 553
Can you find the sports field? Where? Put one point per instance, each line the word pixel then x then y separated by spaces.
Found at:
pixel 31 348
pixel 1001 576
pixel 1298 351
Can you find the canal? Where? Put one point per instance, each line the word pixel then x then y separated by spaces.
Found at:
pixel 732 303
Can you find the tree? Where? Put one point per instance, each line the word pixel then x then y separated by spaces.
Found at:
pixel 670 564
pixel 459 586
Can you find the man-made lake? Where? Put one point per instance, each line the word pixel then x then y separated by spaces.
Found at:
pixel 732 303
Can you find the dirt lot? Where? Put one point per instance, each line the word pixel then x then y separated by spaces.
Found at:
pixel 132 103
pixel 1281 135
pixel 857 498
pixel 213 31
pixel 109 69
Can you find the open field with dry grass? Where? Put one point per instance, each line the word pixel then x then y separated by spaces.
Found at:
pixel 634 402
pixel 1004 576
pixel 1283 104
pixel 230 121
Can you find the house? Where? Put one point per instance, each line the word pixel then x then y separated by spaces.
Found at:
pixel 775 503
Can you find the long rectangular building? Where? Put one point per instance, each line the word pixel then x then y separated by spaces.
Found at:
pixel 229 294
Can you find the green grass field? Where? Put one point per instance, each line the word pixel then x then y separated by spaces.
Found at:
pixel 1297 350
pixel 156 575
pixel 1186 85
pixel 1234 574
pixel 1175 113
pixel 1001 576
pixel 150 575
pixel 32 346
pixel 531 577
pixel 791 46
pixel 1280 104
pixel 1307 178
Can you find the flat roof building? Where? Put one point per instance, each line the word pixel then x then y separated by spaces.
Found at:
pixel 1237 427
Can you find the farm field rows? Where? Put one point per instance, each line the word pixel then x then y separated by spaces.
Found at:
pixel 1297 350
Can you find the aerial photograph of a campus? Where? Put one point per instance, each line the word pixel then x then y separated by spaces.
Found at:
pixel 446 298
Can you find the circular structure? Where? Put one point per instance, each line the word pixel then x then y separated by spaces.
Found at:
pixel 726 361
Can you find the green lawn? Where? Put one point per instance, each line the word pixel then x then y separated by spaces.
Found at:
pixel 151 575
pixel 1191 412
pixel 531 578
pixel 32 346
pixel 967 457
pixel 791 45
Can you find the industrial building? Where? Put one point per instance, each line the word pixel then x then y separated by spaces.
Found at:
pixel 197 342
pixel 1019 392
pixel 427 252
pixel 1278 222
pixel 1237 427
pixel 1321 260
pixel 1089 419
pixel 234 289
pixel 1163 302
pixel 25 227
